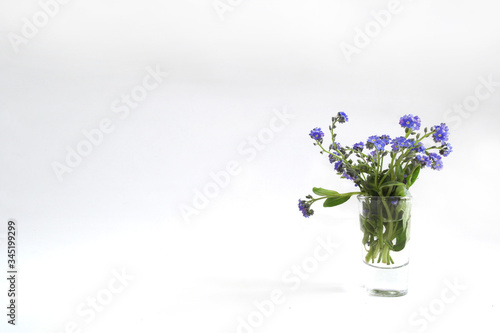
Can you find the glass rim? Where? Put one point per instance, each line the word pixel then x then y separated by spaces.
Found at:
pixel 361 197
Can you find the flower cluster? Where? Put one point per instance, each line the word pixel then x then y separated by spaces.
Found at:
pixel 317 134
pixel 381 165
pixel 411 122
pixel 431 160
pixel 334 156
pixel 342 117
pixel 377 142
pixel 446 149
pixel 358 146
pixel 441 133
pixel 401 143
pixel 305 208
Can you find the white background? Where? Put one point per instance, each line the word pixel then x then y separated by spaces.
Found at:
pixel 120 208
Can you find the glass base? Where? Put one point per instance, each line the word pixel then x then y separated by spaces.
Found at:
pixel 386 281
pixel 386 293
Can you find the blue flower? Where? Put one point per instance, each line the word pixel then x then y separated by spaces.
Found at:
pixel 446 149
pixel 424 160
pixel 434 157
pixel 379 145
pixel 348 176
pixel 351 175
pixel 409 121
pixel 400 142
pixel 385 139
pixel 358 146
pixel 304 207
pixel 342 117
pixel 442 133
pixel 336 146
pixel 339 166
pixel 438 165
pixel 419 147
pixel 302 204
pixel 333 157
pixel 373 139
pixel 317 134
pixel 436 161
pixel 377 142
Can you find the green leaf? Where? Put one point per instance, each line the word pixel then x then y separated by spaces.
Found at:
pixel 401 191
pixel 400 242
pixel 394 183
pixel 397 189
pixel 335 201
pixel 414 176
pixel 399 172
pixel 365 238
pixel 324 193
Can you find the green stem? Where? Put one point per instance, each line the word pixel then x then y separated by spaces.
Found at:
pixel 340 155
pixel 396 162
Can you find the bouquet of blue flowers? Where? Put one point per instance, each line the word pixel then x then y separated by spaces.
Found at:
pixel 382 167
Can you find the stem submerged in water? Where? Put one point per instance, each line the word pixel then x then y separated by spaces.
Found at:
pixel 385 225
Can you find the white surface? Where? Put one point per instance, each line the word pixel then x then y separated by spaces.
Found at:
pixel 120 208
